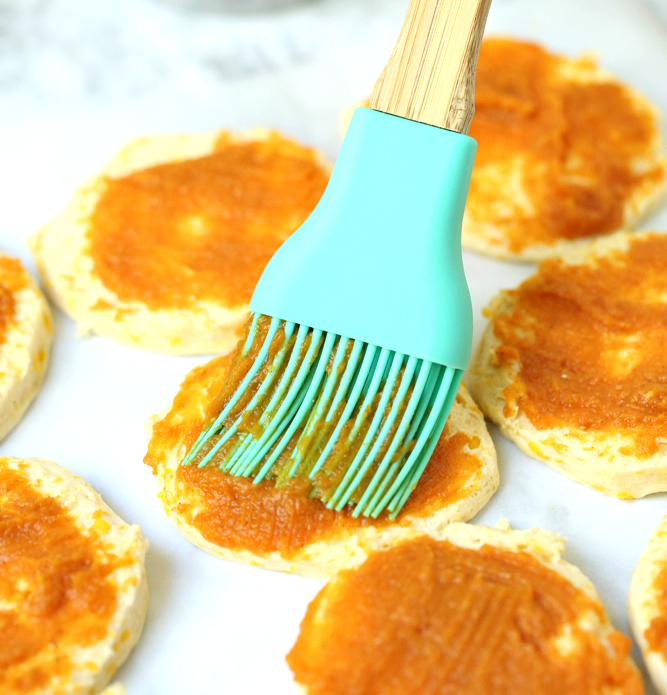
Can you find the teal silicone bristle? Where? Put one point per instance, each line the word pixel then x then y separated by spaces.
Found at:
pixel 314 394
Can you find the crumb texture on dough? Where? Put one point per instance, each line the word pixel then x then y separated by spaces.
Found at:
pixel 565 152
pixel 571 365
pixel 468 610
pixel 72 588
pixel 163 249
pixel 283 528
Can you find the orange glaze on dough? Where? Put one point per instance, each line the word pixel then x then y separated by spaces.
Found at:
pixel 430 617
pixel 578 142
pixel 590 343
pixel 13 278
pixel 233 513
pixel 203 229
pixel 55 590
pixel 656 632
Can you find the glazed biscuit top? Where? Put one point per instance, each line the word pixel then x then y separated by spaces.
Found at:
pixel 13 278
pixel 55 586
pixel 233 513
pixel 430 616
pixel 588 342
pixel 203 229
pixel 580 142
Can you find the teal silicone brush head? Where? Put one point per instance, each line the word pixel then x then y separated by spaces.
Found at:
pixel 362 321
pixel 358 421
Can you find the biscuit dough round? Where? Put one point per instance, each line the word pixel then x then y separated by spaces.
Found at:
pixel 321 557
pixel 24 348
pixel 647 601
pixel 76 668
pixel 62 252
pixel 548 176
pixel 603 459
pixel 543 546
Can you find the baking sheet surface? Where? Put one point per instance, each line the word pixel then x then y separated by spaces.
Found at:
pixel 214 626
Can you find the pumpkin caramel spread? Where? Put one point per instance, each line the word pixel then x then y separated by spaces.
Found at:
pixel 428 616
pixel 588 342
pixel 55 591
pixel 262 518
pixel 564 152
pixel 233 513
pixel 202 229
pixel 13 278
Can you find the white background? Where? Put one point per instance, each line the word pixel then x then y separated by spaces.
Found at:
pixel 77 80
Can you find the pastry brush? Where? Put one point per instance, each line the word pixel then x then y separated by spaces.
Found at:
pixel 361 324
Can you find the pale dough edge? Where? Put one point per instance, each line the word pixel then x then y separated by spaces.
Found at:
pixel 644 604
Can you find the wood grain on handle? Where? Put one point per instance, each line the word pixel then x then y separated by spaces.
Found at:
pixel 430 76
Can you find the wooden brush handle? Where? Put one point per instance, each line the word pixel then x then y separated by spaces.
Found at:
pixel 430 76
